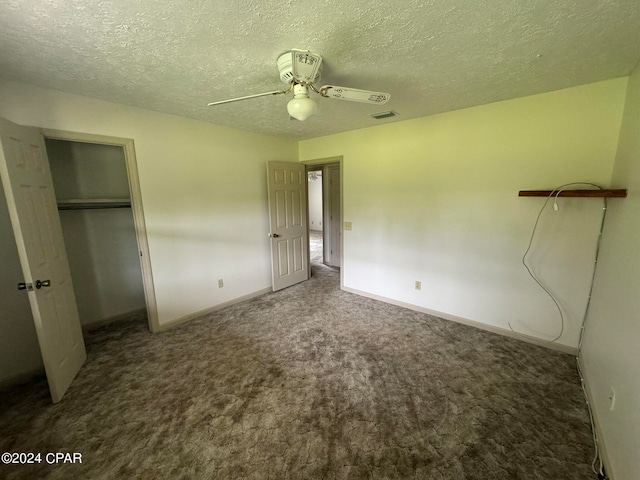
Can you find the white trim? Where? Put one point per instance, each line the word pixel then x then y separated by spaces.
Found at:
pixel 471 323
pixel 602 448
pixel 192 316
pixel 136 208
pixel 322 161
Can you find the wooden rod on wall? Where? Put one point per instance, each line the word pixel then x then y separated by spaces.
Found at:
pixel 616 193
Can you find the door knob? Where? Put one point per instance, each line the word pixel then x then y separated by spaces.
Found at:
pixel 274 235
pixel 43 283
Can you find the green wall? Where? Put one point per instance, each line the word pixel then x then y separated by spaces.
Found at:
pixel 435 199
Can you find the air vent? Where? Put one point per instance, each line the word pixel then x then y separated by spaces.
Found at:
pixel 381 115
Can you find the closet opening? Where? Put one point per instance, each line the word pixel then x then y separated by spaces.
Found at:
pixel 92 186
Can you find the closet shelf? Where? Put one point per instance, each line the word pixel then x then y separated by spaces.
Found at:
pixel 89 203
pixel 617 193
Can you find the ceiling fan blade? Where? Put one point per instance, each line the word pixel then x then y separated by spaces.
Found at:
pixel 247 97
pixel 305 65
pixel 354 94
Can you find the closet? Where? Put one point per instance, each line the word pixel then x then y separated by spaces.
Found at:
pixel 92 191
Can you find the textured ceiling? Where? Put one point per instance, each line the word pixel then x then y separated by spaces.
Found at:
pixel 432 56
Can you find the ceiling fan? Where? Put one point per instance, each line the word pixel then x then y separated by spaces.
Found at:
pixel 301 69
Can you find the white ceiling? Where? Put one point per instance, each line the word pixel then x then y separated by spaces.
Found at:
pixel 432 56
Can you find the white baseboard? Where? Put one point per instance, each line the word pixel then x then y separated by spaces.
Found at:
pixel 192 316
pixel 471 323
pixel 602 448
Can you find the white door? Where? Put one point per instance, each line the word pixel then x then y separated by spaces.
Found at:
pixel 336 221
pixel 28 186
pixel 287 191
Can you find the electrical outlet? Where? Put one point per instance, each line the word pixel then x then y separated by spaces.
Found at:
pixel 220 283
pixel 418 285
pixel 347 225
pixel 612 399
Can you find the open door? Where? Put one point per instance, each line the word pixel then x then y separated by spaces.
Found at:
pixel 28 187
pixel 287 191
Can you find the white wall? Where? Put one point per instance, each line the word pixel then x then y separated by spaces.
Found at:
pixel 435 199
pixel 315 203
pixel 101 243
pixel 611 350
pixel 19 350
pixel 203 192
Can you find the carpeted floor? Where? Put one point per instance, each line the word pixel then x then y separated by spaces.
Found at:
pixel 307 383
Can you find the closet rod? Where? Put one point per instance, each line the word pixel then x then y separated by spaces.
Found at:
pixel 78 204
pixel 91 207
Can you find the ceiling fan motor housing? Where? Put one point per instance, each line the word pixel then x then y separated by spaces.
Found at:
pixel 285 68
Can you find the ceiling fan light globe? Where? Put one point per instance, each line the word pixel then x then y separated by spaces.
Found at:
pixel 301 108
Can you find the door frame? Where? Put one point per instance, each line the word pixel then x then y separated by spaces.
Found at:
pixel 322 162
pixel 127 145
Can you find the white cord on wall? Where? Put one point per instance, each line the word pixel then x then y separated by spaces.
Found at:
pixel 556 192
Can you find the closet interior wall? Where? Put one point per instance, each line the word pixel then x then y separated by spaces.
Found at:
pixel 100 242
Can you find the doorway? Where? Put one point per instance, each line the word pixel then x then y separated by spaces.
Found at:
pixel 325 211
pixel 316 217
pixel 100 208
pixel 94 205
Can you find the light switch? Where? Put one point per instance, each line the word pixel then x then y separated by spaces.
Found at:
pixel 347 225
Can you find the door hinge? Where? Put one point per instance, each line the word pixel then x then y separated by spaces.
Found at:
pixel 25 286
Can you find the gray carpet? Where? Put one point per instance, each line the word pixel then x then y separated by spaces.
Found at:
pixel 307 383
